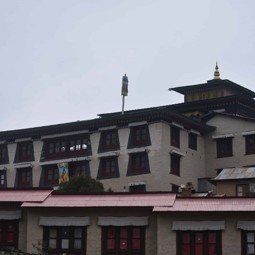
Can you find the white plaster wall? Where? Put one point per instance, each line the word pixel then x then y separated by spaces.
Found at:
pixel 228 125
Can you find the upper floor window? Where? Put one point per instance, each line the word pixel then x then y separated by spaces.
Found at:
pixel 123 240
pixel 63 147
pixel 24 177
pixel 4 159
pixel 224 147
pixel 250 144
pixel 198 242
pixel 192 141
pixel 138 163
pixel 9 232
pixel 49 175
pixel 65 240
pixel 24 152
pixel 108 168
pixel 139 136
pixel 109 140
pixel 242 190
pixel 175 164
pixel 79 168
pixel 175 136
pixel 3 181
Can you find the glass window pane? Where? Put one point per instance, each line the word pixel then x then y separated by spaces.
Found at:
pixel 199 249
pixel 123 244
pixel 52 243
pixel 212 249
pixel 77 244
pixel 64 243
pixel 185 249
pixel 136 244
pixel 110 244
pixel 212 238
pixel 250 249
pixel 77 232
pixel 186 238
pixel 123 233
pixel 110 233
pixel 250 237
pixel 53 232
pixel 136 233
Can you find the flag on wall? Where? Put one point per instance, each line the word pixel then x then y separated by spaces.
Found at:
pixel 63 172
pixel 124 90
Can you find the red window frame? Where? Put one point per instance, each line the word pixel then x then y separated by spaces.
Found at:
pixel 79 168
pixel 109 140
pixel 123 240
pixel 51 175
pixel 24 177
pixel 139 136
pixel 9 230
pixel 199 243
pixel 108 168
pixel 25 152
pixel 138 163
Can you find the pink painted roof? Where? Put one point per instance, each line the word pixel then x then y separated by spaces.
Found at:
pixel 209 205
pixel 106 200
pixel 24 195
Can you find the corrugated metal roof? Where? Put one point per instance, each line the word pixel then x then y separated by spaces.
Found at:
pixel 111 200
pixel 24 195
pixel 236 173
pixel 209 205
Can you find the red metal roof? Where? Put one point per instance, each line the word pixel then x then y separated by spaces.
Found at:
pixel 24 195
pixel 111 200
pixel 209 205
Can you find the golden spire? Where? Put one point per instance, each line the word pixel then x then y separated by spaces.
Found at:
pixel 216 72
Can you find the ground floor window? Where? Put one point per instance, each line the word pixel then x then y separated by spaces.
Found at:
pixel 123 240
pixel 199 243
pixel 9 230
pixel 70 240
pixel 248 242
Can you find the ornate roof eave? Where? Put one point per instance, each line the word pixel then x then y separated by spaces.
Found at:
pixel 215 83
pixel 120 120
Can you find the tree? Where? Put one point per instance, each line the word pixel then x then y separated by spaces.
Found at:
pixel 81 184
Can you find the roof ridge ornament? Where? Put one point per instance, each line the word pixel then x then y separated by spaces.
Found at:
pixel 216 72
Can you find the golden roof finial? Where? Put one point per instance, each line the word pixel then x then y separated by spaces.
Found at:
pixel 216 72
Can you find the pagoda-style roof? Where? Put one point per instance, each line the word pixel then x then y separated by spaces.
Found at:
pixel 232 88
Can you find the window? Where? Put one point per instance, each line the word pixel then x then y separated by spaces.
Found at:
pixel 50 175
pixel 108 168
pixel 198 242
pixel 250 144
pixel 24 177
pixel 123 240
pixel 64 147
pixel 140 188
pixel 3 182
pixel 175 188
pixel 79 168
pixel 4 159
pixel 248 242
pixel 175 164
pixel 242 190
pixel 70 240
pixel 109 141
pixel 193 141
pixel 9 234
pixel 139 136
pixel 224 147
pixel 24 152
pixel 175 136
pixel 138 163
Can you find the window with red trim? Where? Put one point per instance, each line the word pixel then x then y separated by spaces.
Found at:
pixel 108 168
pixel 123 240
pixel 9 234
pixel 79 168
pixel 109 140
pixel 24 152
pixel 139 136
pixel 138 163
pixel 50 175
pixel 199 243
pixel 24 177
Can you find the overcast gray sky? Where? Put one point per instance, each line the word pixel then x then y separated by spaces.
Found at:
pixel 63 60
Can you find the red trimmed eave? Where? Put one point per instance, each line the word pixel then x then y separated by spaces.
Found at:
pixel 24 195
pixel 210 205
pixel 106 200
